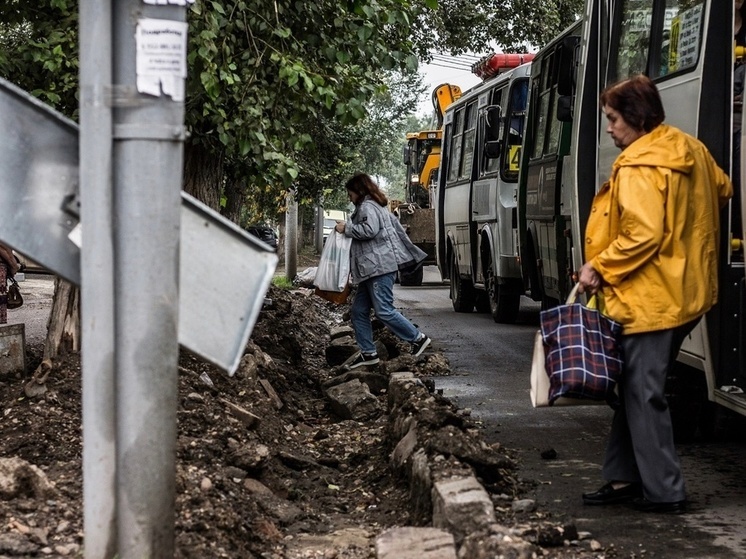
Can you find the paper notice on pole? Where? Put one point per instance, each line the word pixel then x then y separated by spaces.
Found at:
pixel 165 2
pixel 161 57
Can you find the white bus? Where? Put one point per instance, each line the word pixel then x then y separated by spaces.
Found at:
pixel 687 48
pixel 476 193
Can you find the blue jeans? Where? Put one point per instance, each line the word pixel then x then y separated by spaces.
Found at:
pixel 378 293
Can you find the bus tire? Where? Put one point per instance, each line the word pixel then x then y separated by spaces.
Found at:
pixel 462 291
pixel 505 298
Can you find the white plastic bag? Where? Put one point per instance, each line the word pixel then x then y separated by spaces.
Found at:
pixel 333 271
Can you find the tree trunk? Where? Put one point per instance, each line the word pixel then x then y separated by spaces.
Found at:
pixel 235 196
pixel 63 326
pixel 291 236
pixel 203 175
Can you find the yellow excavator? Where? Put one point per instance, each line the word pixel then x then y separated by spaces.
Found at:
pixel 422 159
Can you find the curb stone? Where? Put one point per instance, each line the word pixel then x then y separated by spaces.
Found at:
pixel 444 490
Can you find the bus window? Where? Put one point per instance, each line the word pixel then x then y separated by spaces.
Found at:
pixel 634 38
pixel 455 147
pixel 470 131
pixel 554 130
pixel 682 30
pixel 658 38
pixel 541 96
pixel 548 128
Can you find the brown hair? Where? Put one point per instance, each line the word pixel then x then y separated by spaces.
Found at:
pixel 362 185
pixel 637 100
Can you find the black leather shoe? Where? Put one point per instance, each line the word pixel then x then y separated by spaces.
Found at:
pixel 674 507
pixel 607 495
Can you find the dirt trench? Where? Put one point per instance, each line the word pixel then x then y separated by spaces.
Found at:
pixel 264 467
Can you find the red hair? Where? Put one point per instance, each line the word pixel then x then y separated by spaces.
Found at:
pixel 637 100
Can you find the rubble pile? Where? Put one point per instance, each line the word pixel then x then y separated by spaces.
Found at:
pixel 291 458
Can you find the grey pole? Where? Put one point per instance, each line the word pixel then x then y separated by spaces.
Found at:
pixel 319 236
pixel 291 236
pixel 148 162
pixel 97 281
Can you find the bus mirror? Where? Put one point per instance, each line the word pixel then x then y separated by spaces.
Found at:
pixel 492 123
pixel 564 108
pixel 405 153
pixel 492 149
pixel 494 113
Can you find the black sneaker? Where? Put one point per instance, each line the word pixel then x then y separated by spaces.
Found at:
pixel 420 345
pixel 363 360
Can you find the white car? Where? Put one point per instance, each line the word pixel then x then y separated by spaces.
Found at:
pixel 331 217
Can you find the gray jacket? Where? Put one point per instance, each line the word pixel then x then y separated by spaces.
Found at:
pixel 379 243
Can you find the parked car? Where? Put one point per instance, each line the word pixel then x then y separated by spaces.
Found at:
pixel 264 233
pixel 331 217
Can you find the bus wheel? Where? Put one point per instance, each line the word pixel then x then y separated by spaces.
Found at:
pixel 462 291
pixel 505 299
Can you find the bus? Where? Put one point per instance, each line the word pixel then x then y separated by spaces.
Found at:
pixel 544 207
pixel 476 191
pixel 687 48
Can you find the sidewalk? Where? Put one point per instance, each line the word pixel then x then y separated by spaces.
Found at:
pixel 38 292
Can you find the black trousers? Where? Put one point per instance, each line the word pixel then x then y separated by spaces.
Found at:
pixel 641 446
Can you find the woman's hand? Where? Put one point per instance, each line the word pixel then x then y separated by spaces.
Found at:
pixel 340 227
pixel 589 279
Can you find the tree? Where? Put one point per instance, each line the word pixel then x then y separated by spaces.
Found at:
pixel 263 74
pixel 277 89
pixel 39 50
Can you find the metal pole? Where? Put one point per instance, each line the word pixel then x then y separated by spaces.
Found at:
pixel 148 163
pixel 97 281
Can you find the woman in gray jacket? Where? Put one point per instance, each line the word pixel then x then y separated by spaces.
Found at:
pixel 380 247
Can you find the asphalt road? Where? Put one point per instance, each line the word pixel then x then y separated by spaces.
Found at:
pixel 491 364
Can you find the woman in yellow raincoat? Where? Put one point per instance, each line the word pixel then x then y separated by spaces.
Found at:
pixel 651 246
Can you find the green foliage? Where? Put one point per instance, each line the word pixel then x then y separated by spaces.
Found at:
pixel 39 50
pixel 288 93
pixel 539 22
pixel 460 26
pixel 266 77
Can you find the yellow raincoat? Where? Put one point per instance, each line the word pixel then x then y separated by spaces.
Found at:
pixel 653 231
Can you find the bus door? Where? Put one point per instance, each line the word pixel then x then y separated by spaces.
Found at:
pixel 684 47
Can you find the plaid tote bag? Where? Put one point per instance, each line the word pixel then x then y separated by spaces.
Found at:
pixel 582 351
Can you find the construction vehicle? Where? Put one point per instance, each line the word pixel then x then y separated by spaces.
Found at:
pixel 422 159
pixel 477 190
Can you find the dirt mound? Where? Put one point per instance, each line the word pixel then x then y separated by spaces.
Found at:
pixel 264 468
